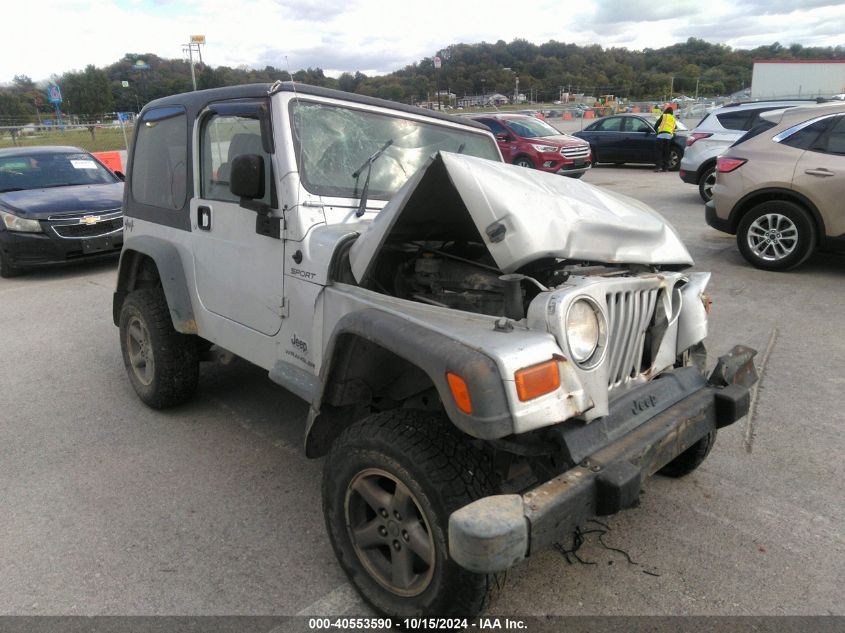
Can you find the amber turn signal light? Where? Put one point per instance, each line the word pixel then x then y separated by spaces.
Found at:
pixel 459 392
pixel 537 380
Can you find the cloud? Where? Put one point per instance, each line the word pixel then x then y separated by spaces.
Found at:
pixel 614 12
pixel 314 10
pixel 779 7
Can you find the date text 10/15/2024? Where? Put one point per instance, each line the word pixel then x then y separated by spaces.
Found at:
pixel 417 624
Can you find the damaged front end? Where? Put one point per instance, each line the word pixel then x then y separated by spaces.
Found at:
pixel 612 456
pixel 588 289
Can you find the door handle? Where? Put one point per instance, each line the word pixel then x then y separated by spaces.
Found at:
pixel 820 171
pixel 204 218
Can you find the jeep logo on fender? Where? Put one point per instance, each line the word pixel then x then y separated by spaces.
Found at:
pixel 299 343
pixel 641 404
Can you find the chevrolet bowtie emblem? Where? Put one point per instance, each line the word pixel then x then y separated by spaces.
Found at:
pixel 89 219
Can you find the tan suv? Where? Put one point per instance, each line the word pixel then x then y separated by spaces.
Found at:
pixel 781 188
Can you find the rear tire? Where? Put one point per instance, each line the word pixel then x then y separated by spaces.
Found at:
pixel 417 464
pixel 674 159
pixel 705 184
pixel 162 364
pixel 776 235
pixel 691 458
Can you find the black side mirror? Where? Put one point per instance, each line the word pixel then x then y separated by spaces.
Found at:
pixel 247 176
pixel 120 176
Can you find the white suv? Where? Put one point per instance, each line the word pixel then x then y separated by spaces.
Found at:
pixel 715 133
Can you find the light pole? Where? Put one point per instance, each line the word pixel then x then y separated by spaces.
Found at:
pixel 196 41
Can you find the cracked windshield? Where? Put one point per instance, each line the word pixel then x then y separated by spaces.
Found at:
pixel 333 143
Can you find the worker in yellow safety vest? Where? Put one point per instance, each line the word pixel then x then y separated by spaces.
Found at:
pixel 665 132
pixel 655 109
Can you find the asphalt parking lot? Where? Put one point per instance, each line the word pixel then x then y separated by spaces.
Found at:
pixel 110 508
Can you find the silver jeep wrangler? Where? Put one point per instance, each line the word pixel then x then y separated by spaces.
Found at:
pixel 492 354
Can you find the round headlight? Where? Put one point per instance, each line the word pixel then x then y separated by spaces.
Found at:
pixel 583 330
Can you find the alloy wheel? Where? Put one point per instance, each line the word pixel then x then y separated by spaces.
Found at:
pixel 139 347
pixel 772 237
pixel 389 532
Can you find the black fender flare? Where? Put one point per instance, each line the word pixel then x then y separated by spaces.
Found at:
pixel 171 274
pixel 435 354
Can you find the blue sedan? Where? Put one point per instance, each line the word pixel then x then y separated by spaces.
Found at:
pixel 57 204
pixel 630 138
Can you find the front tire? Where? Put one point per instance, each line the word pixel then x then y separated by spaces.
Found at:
pixel 162 364
pixel 523 161
pixel 705 184
pixel 390 483
pixel 776 235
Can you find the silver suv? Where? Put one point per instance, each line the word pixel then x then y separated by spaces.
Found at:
pixel 491 355
pixel 715 133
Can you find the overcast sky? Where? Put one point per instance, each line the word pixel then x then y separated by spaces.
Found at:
pixel 376 36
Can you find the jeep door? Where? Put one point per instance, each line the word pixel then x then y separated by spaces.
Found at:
pixel 238 271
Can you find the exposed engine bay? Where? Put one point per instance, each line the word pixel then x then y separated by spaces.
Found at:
pixel 463 276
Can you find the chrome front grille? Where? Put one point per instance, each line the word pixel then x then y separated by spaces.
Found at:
pixel 83 225
pixel 629 314
pixel 79 231
pixel 575 151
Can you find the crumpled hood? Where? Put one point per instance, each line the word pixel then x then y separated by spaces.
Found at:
pixel 521 215
pixel 38 204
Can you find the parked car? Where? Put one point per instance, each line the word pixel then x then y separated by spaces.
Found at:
pixel 529 142
pixel 630 138
pixel 780 190
pixel 715 133
pixel 57 204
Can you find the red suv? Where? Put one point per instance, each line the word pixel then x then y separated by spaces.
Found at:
pixel 530 142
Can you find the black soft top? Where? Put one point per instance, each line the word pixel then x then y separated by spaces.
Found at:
pixel 196 101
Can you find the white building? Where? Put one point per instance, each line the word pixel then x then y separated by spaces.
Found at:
pixel 785 79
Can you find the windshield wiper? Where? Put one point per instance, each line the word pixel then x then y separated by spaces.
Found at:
pixel 12 189
pixel 368 164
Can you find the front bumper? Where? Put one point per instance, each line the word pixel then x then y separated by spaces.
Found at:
pixel 26 250
pixel 574 169
pixel 496 532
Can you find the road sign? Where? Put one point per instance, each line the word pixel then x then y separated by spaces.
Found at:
pixel 54 94
pixel 197 39
pixel 140 64
pixel 436 62
pixel 124 83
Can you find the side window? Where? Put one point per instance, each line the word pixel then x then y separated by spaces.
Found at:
pixel 610 124
pixel 806 136
pixel 634 124
pixel 737 120
pixel 834 141
pixel 223 138
pixel 495 126
pixel 159 165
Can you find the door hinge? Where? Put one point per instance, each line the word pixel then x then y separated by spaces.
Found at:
pixel 284 309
